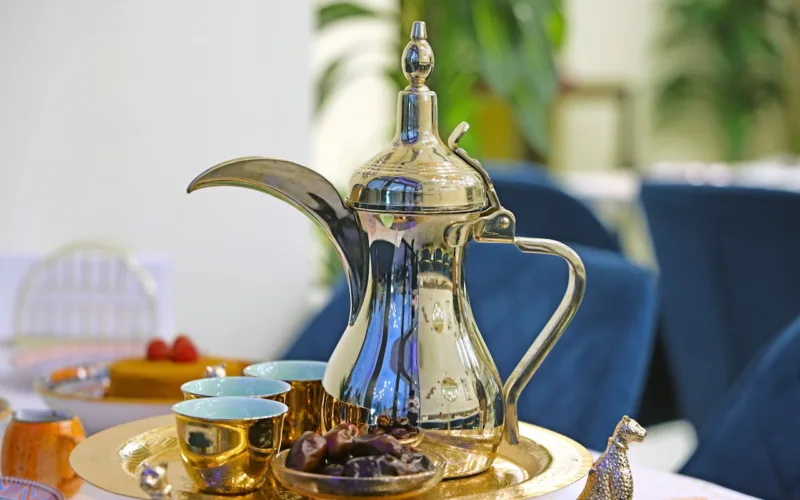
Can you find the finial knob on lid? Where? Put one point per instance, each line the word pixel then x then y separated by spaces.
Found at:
pixel 417 59
pixel 417 173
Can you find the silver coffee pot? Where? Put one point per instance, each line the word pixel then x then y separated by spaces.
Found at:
pixel 411 361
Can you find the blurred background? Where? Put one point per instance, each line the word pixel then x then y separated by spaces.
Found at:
pixel 668 130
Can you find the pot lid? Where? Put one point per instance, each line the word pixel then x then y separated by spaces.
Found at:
pixel 417 172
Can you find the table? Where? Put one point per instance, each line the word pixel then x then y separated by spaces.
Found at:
pixel 649 484
pixel 621 187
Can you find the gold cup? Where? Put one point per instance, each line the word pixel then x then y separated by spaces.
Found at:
pixel 305 398
pixel 276 390
pixel 227 443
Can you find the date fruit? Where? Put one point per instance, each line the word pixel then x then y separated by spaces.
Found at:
pixel 381 444
pixel 393 466
pixel 332 470
pixel 339 441
pixel 307 452
pixel 417 462
pixel 342 452
pixel 399 433
pixel 362 467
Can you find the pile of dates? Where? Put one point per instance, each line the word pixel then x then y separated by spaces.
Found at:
pixel 397 428
pixel 342 452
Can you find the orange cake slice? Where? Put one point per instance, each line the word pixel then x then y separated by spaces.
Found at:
pixel 162 379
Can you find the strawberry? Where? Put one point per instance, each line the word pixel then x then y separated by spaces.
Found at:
pixel 157 350
pixel 184 353
pixel 184 350
pixel 182 339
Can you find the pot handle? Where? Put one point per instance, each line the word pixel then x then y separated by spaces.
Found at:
pixel 497 225
pixel 547 338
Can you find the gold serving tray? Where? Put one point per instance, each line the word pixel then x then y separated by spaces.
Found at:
pixel 542 463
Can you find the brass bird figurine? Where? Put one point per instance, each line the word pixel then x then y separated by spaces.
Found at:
pixel 215 371
pixel 153 481
pixel 610 477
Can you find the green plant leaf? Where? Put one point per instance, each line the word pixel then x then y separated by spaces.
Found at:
pixel 789 17
pixel 326 83
pixel 496 53
pixel 731 62
pixel 459 104
pixel 755 41
pixel 343 11
pixel 556 26
pixel 681 92
pixel 768 91
pixel 686 86
pixel 538 83
pixel 793 21
pixel 533 117
pixel 536 54
pixel 735 138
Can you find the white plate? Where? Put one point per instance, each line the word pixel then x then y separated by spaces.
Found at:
pixel 81 389
pixel 36 360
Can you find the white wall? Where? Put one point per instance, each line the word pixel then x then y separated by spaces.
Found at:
pixel 608 41
pixel 109 109
pixel 359 119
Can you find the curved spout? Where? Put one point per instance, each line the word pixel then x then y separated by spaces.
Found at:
pixel 313 195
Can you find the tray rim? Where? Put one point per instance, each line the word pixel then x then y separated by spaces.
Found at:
pixel 92 371
pixel 92 457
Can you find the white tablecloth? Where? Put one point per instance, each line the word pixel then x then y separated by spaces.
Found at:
pixel 621 187
pixel 649 484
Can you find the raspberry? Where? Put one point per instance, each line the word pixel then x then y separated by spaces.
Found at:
pixel 184 350
pixel 157 350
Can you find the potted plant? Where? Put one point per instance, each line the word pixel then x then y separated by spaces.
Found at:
pixel 732 60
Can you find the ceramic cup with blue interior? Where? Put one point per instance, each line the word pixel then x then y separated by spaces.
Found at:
pixel 227 443
pixel 305 398
pixel 276 390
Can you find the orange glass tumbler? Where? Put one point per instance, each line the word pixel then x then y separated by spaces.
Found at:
pixel 37 445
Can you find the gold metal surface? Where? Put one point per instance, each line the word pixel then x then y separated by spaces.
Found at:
pixel 305 409
pixel 334 487
pixel 417 173
pixel 228 457
pixel 610 477
pixel 542 462
pixel 216 370
pixel 412 354
pixel 153 481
